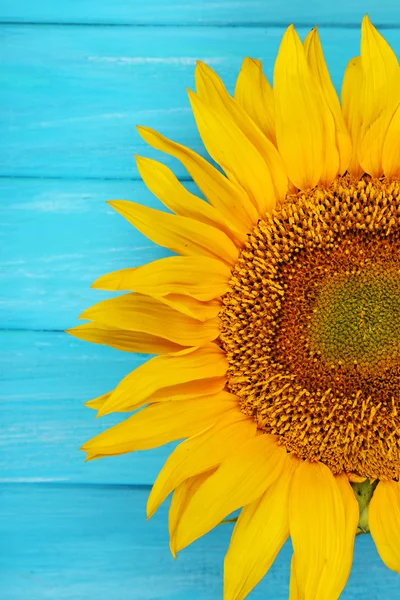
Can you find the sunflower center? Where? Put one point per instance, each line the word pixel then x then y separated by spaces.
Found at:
pixel 311 326
pixel 357 318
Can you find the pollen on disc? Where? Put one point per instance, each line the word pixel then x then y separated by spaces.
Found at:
pixel 311 326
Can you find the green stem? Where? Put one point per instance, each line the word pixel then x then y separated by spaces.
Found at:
pixel 363 493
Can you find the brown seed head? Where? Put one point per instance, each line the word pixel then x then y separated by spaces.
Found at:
pixel 311 326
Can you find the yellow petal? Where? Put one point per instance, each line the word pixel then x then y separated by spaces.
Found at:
pixel 129 341
pixel 380 96
pixel 98 402
pixel 254 93
pixel 166 187
pixel 391 148
pixel 229 199
pixel 384 522
pixel 161 373
pixel 157 425
pixel 299 115
pixel 201 453
pixel 202 311
pixel 352 110
pixel 352 515
pixel 179 502
pixel 136 312
pixel 240 479
pixel 201 277
pixel 354 478
pixel 185 391
pixel 198 309
pixel 189 389
pixel 233 151
pixel 180 234
pixel 319 70
pixel 227 118
pixel 319 532
pixel 260 532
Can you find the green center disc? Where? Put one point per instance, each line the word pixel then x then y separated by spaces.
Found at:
pixel 357 318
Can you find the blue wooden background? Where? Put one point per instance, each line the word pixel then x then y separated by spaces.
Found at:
pixel 76 76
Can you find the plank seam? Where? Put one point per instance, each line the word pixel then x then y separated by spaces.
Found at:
pixel 207 24
pixel 24 329
pixel 183 178
pixel 77 484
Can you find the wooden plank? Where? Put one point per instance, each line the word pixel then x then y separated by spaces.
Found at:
pixel 46 378
pixel 81 543
pixel 71 96
pixel 194 12
pixel 57 237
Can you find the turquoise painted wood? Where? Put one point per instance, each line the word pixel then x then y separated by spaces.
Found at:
pixel 196 12
pixel 46 378
pixel 58 236
pixel 76 77
pixel 93 543
pixel 72 111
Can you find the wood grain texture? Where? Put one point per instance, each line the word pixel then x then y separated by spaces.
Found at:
pixel 46 378
pixel 57 237
pixel 72 96
pixel 195 12
pixel 93 543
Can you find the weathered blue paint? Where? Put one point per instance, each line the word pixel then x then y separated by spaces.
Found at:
pixel 72 90
pixel 58 236
pixel 72 542
pixel 46 378
pixel 72 96
pixel 200 12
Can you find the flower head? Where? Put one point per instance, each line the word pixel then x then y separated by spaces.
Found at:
pixel 276 324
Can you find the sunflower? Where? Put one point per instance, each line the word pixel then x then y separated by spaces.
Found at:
pixel 276 323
